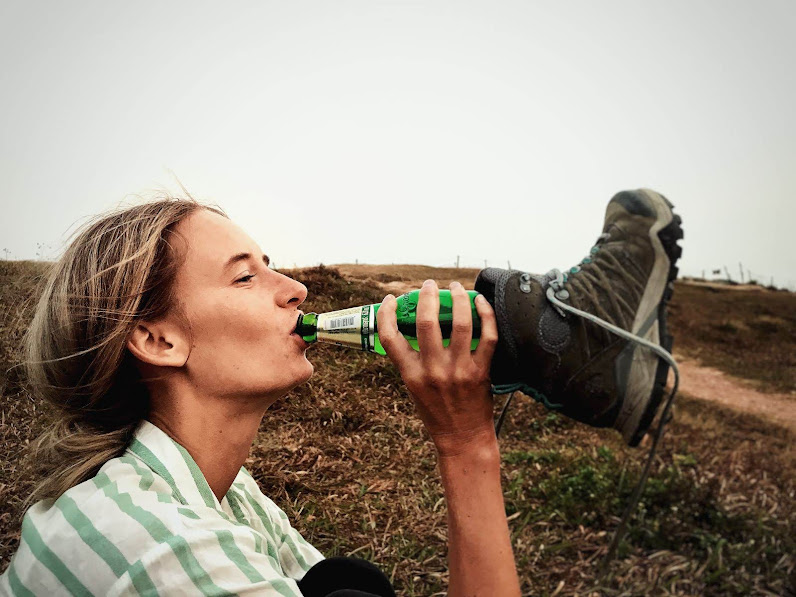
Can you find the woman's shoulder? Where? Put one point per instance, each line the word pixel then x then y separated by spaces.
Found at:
pixel 124 503
pixel 123 522
pixel 101 508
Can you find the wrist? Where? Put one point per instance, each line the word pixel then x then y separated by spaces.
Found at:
pixel 481 444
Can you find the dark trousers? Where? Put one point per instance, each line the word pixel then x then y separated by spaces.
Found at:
pixel 345 577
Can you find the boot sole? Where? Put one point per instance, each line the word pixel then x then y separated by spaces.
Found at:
pixel 668 237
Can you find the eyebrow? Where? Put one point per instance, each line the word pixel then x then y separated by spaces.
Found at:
pixel 243 257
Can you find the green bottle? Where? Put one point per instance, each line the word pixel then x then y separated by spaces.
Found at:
pixel 356 327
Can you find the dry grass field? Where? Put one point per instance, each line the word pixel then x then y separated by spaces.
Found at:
pixel 351 465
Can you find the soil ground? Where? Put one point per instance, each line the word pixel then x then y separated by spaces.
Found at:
pixel 349 462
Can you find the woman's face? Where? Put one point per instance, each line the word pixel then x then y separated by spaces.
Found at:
pixel 241 313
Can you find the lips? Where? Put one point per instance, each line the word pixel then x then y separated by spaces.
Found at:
pixel 301 341
pixel 296 322
pixel 293 333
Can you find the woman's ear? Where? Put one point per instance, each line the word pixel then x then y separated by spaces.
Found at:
pixel 160 343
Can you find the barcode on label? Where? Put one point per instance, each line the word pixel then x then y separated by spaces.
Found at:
pixel 341 322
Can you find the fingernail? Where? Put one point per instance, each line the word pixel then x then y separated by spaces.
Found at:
pixel 428 282
pixel 455 285
pixel 480 299
pixel 387 298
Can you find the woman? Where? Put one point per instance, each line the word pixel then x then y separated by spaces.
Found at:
pixel 162 337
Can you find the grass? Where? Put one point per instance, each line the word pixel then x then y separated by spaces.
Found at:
pixel 346 458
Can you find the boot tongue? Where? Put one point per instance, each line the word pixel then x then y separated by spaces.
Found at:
pixel 486 281
pixel 491 282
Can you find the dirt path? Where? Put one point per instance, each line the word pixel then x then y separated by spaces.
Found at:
pixel 708 383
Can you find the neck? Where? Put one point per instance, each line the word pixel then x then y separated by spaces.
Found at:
pixel 217 432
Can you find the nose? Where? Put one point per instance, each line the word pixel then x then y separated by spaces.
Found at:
pixel 292 293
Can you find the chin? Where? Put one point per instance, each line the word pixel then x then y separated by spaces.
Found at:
pixel 295 374
pixel 305 375
pixel 310 371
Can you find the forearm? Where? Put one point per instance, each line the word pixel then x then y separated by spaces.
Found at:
pixel 480 555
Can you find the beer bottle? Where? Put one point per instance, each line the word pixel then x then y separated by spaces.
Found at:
pixel 356 327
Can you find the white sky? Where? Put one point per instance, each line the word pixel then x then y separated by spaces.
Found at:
pixel 407 132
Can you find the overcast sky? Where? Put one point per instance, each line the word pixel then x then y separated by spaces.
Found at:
pixel 407 132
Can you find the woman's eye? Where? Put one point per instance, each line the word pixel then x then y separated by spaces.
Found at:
pixel 246 278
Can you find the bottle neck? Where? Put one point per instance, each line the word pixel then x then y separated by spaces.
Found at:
pixel 307 327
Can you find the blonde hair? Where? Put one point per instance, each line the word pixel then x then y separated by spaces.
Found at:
pixel 118 270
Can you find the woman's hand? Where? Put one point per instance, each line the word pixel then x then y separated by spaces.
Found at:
pixel 451 389
pixel 450 385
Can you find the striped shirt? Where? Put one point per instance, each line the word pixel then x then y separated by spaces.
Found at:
pixel 148 524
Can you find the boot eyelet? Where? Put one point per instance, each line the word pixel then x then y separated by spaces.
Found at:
pixel 525 283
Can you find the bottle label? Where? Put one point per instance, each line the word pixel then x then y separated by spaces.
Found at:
pixel 352 327
pixel 342 322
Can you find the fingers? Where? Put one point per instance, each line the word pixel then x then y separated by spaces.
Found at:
pixel 429 336
pixel 462 332
pixel 395 345
pixel 489 333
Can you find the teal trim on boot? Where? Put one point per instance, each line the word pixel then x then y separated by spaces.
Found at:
pixel 507 388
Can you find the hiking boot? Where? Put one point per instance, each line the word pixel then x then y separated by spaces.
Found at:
pixel 558 332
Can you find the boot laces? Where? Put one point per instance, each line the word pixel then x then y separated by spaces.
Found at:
pixel 589 283
pixel 556 294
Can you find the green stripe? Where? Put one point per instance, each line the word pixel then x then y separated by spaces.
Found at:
pixel 285 538
pixel 198 477
pixel 152 461
pixel 232 500
pixel 16 585
pixel 228 545
pixel 160 533
pixel 98 542
pixel 164 498
pixel 102 546
pixel 257 539
pixel 51 561
pixel 188 513
pixel 227 542
pixel 258 543
pixel 258 509
pixel 141 581
pixel 147 478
